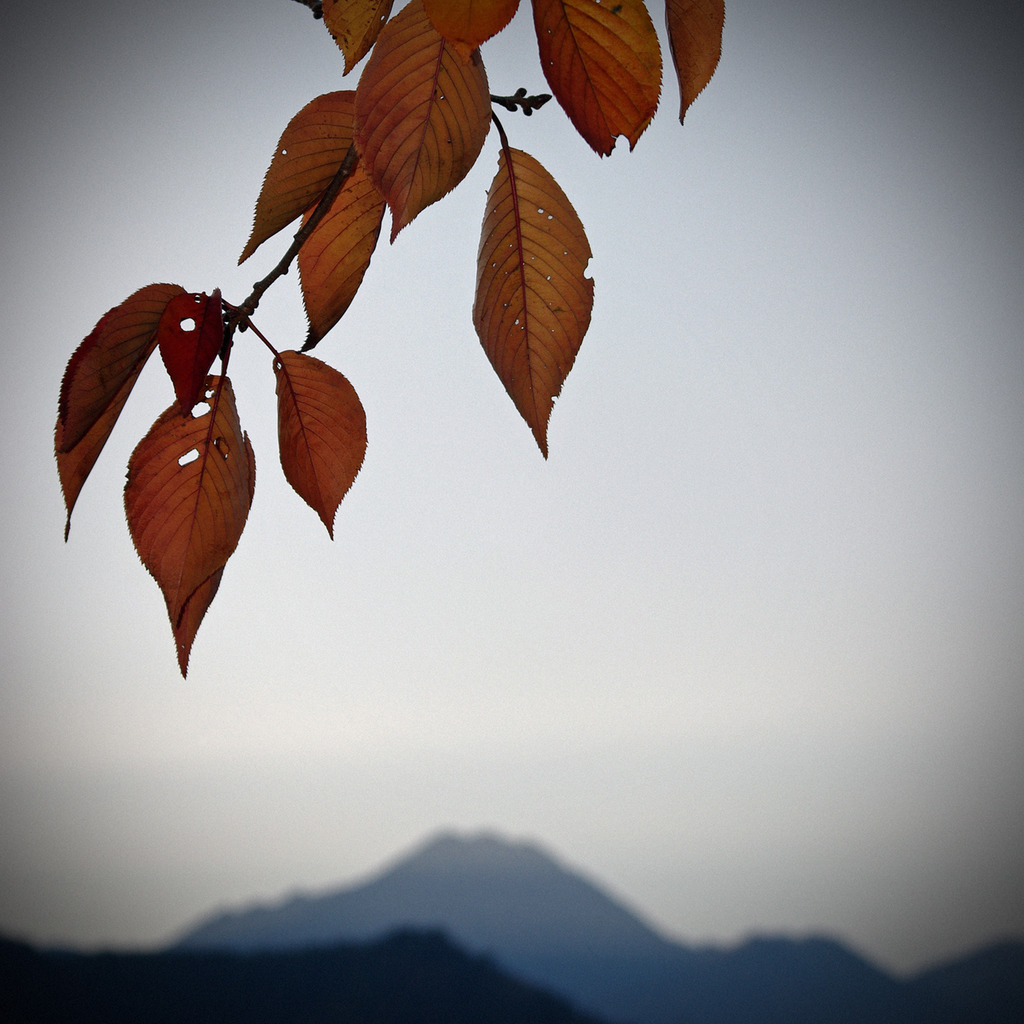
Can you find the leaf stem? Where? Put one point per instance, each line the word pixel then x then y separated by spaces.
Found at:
pixel 259 334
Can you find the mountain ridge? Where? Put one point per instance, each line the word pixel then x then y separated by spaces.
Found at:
pixel 552 927
pixel 404 978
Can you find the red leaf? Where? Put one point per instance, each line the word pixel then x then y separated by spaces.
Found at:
pixel 190 334
pixel 422 114
pixel 190 485
pixel 533 303
pixel 98 379
pixel 695 38
pixel 321 430
pixel 603 63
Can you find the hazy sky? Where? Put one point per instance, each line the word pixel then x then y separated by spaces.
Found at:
pixel 748 648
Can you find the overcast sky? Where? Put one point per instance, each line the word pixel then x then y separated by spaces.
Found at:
pixel 748 648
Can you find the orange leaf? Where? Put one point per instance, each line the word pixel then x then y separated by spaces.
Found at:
pixel 190 485
pixel 334 258
pixel 695 39
pixel 533 303
pixel 202 597
pixel 321 428
pixel 98 379
pixel 422 114
pixel 469 22
pixel 355 25
pixel 190 334
pixel 309 154
pixel 603 63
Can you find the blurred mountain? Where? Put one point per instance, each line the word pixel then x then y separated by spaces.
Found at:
pixel 408 978
pixel 553 928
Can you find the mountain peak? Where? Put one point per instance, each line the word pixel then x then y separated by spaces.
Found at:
pixel 487 892
pixel 485 851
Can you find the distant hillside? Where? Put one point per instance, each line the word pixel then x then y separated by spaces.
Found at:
pixel 405 979
pixel 553 928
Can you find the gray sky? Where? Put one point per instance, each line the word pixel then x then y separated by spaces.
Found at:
pixel 748 648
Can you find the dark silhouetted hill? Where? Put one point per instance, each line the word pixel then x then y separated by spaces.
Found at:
pixel 553 928
pixel 408 978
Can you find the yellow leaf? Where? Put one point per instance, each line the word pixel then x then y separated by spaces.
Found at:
pixel 309 154
pixel 355 25
pixel 334 258
pixel 603 63
pixel 422 114
pixel 533 302
pixel 695 39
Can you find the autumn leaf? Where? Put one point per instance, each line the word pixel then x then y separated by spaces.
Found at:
pixel 321 431
pixel 603 63
pixel 99 377
pixel 469 22
pixel 192 615
pixel 190 485
pixel 533 302
pixel 695 39
pixel 311 149
pixel 190 334
pixel 422 114
pixel 355 25
pixel 337 252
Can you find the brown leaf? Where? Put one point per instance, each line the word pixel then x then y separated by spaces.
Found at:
pixel 192 616
pixel 98 379
pixel 469 22
pixel 695 39
pixel 603 63
pixel 321 429
pixel 190 334
pixel 309 154
pixel 355 25
pixel 533 302
pixel 202 597
pixel 422 114
pixel 190 485
pixel 334 258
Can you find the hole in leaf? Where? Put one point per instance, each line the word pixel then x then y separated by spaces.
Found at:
pixel 222 446
pixel 188 324
pixel 188 457
pixel 200 409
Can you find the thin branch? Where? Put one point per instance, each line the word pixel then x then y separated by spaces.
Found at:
pixel 240 314
pixel 520 101
pixel 315 6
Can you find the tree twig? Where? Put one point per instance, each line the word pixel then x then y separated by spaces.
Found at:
pixel 520 101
